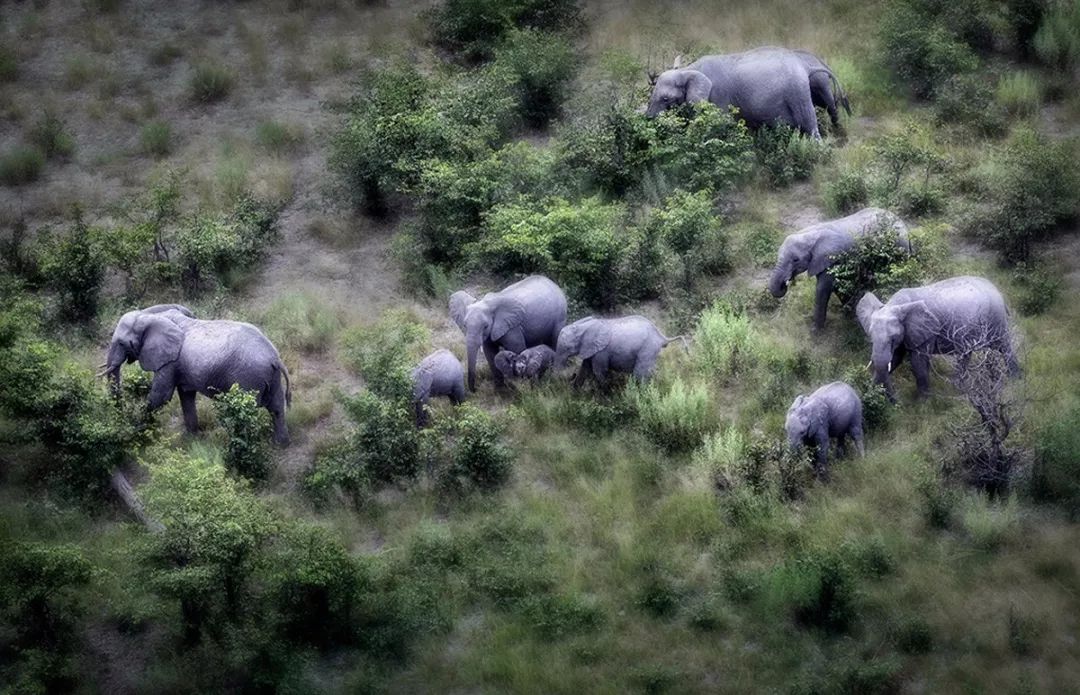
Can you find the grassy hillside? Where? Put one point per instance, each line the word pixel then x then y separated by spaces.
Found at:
pixel 331 171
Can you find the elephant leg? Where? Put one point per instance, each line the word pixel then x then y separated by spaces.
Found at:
pixel 920 365
pixel 857 437
pixel 821 460
pixel 825 286
pixel 582 374
pixel 644 366
pixel 600 368
pixel 490 350
pixel 161 389
pixel 187 405
pixel 420 406
pixel 457 394
pixel 841 447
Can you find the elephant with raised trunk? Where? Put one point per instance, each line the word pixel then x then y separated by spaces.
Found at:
pixel 529 312
pixel 190 355
pixel 766 85
pixel 954 316
pixel 630 344
pixel 813 249
pixel 438 374
pixel 834 411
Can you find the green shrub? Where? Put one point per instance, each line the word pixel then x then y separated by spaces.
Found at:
pixel 907 162
pixel 659 594
pixel 610 151
pixel 969 100
pixel 50 135
pixel 819 590
pixel 691 229
pixel 217 245
pixel 247 427
pixel 577 245
pixel 1019 93
pixel 1032 188
pixel 156 138
pixel 472 29
pixel 302 321
pixel 1055 476
pixel 1057 41
pixel 555 616
pixel 922 49
pixel 867 264
pixel 276 137
pixel 337 469
pixel 210 82
pixel 9 64
pixel 677 420
pixel 703 147
pixel 1039 288
pixel 73 265
pixel 847 193
pixel 477 458
pixel 785 155
pixel 385 351
pixel 385 441
pixel 726 345
pixel 543 65
pixel 21 165
pixel 914 636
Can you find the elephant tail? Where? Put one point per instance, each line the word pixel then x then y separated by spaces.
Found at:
pixel 288 384
pixel 841 95
pixel 685 342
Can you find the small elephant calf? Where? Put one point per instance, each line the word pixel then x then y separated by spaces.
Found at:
pixel 833 411
pixel 533 362
pixel 438 374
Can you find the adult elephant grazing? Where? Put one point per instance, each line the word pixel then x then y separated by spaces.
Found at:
pixel 834 411
pixel 811 250
pixel 192 356
pixel 766 85
pixel 954 316
pixel 630 344
pixel 530 312
pixel 438 374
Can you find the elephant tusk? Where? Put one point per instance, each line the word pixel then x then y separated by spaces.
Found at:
pixel 890 367
pixel 870 364
pixel 102 373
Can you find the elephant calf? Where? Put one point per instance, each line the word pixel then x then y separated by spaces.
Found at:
pixel 534 362
pixel 438 374
pixel 834 411
pixel 190 356
pixel 630 344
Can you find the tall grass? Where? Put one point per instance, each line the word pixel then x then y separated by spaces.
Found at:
pixel 1019 93
pixel 302 321
pixel 726 344
pixel 674 420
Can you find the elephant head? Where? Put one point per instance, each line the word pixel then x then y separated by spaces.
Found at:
pixel 506 363
pixel 582 338
pixel 146 335
pixel 486 320
pixel 893 329
pixel 800 425
pixel 796 255
pixel 674 87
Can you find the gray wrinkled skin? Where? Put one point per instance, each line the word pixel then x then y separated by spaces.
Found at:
pixel 438 374
pixel 811 251
pixel 504 363
pixel 533 363
pixel 825 89
pixel 766 85
pixel 834 411
pixel 937 319
pixel 630 344
pixel 190 356
pixel 527 313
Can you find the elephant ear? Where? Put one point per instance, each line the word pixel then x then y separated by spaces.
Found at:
pixel 594 339
pixel 459 303
pixel 161 340
pixel 508 316
pixel 829 244
pixel 697 86
pixel 919 322
pixel 866 308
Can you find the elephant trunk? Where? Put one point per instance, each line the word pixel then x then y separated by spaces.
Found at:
pixel 881 363
pixel 115 359
pixel 778 281
pixel 472 346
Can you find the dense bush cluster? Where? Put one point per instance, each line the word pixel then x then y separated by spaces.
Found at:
pixel 247 432
pixel 473 29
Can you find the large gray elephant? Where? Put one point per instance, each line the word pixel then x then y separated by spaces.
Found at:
pixel 438 374
pixel 948 317
pixel 834 411
pixel 825 89
pixel 630 344
pixel 527 313
pixel 190 356
pixel 812 250
pixel 766 85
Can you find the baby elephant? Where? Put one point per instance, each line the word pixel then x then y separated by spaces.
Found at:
pixel 833 411
pixel 438 374
pixel 533 362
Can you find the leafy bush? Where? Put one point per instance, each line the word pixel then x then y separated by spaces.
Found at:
pixel 73 264
pixel 703 147
pixel 210 82
pixel 906 162
pixel 156 138
pixel 478 458
pixel 1019 93
pixel 691 229
pixel 385 351
pixel 337 469
pixel 1039 288
pixel 922 49
pixel 726 345
pixel 385 441
pixel 21 165
pixel 473 29
pixel 969 100
pixel 218 245
pixel 577 245
pixel 301 321
pixel 1032 188
pixel 677 420
pixel 869 264
pixel 247 427
pixel 543 65
pixel 819 590
pixel 609 151
pixel 785 155
pixel 1057 41
pixel 1055 476
pixel 847 193
pixel 50 136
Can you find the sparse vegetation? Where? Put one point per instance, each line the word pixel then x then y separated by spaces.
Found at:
pixel 156 138
pixel 21 165
pixel 210 82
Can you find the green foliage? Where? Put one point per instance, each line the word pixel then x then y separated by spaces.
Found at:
pixel 1055 475
pixel 301 321
pixel 906 162
pixel 1057 41
pixel 472 29
pixel 217 245
pixel 676 420
pixel 49 134
pixel 785 156
pixel 73 265
pixel 156 138
pixel 384 352
pixel 922 48
pixel 877 409
pixel 543 65
pixel 385 441
pixel 969 100
pixel 1019 93
pixel 1039 288
pixel 577 245
pixel 277 138
pixel 21 165
pixel 247 427
pixel 819 591
pixel 703 147
pixel 609 150
pixel 210 82
pixel 689 227
pixel 869 264
pixel 337 470
pixel 847 193
pixel 1032 188
pixel 726 345
pixel 477 457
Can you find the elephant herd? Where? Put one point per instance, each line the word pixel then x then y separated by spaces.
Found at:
pixel 522 329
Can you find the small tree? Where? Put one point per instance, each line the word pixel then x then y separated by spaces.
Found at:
pixel 73 264
pixel 247 427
